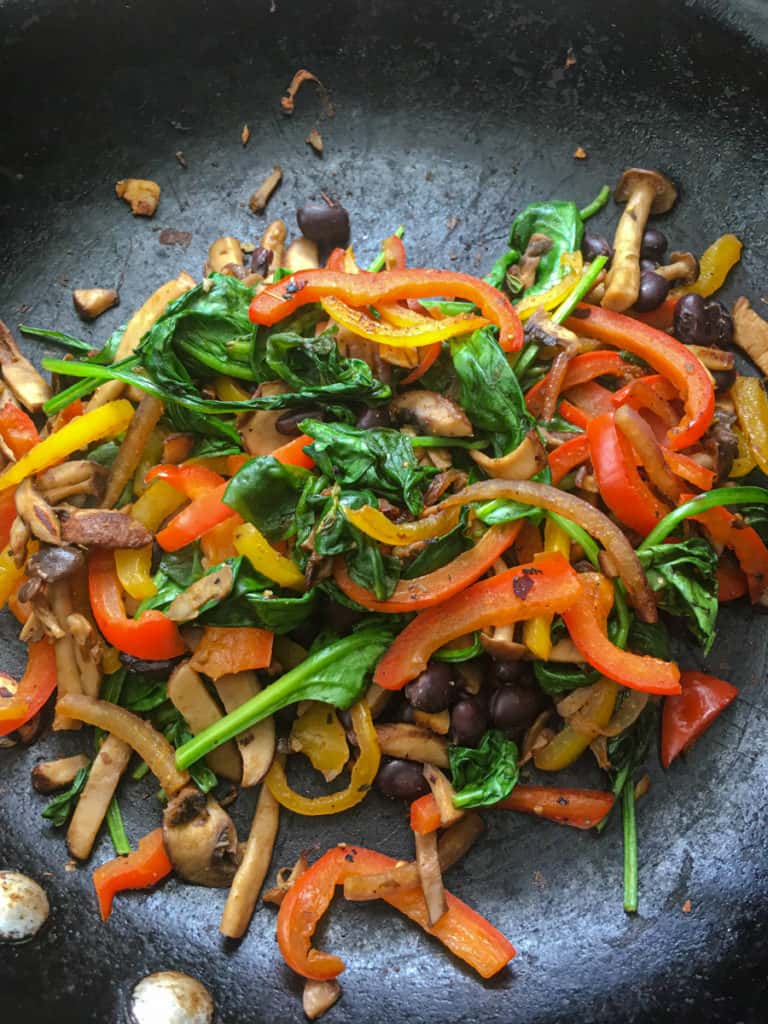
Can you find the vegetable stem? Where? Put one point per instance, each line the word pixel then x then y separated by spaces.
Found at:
pixel 378 263
pixel 583 285
pixel 57 337
pixel 427 441
pixel 745 495
pixel 597 203
pixel 117 828
pixel 629 820
pixel 579 535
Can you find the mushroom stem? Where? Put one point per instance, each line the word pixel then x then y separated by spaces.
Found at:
pixel 684 268
pixel 250 875
pixel 623 285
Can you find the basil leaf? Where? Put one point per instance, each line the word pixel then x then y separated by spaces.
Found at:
pixel 684 575
pixel 559 221
pixel 485 774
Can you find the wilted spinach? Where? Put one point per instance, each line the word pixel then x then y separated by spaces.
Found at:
pixel 559 221
pixel 684 575
pixel 485 774
pixel 60 807
pixel 265 492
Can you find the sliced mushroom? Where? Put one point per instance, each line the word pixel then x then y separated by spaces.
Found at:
pixel 443 792
pixel 250 875
pixel 503 647
pixel 717 360
pixel 67 670
pixel 683 268
pixel 376 698
pixel 273 241
pixel 189 695
pixel 215 586
pixel 257 744
pixel 133 448
pixel 436 721
pixel 750 333
pixel 432 413
pixel 200 839
pixel 104 528
pixel 48 776
pixel 319 996
pixel 77 477
pixel 430 876
pixel 37 514
pixel 528 459
pixel 90 303
pixel 413 743
pixel 257 429
pixel 644 192
pixel 103 778
pixel 284 881
pixel 141 195
pixel 18 541
pixel 146 315
pixel 258 201
pixel 525 271
pixel 224 253
pixel 25 383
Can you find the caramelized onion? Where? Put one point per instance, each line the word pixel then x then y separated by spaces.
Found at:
pixel 640 435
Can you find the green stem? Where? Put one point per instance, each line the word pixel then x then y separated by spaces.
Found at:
pixel 58 337
pixel 579 535
pixel 597 203
pixel 526 357
pixel 450 307
pixel 581 288
pixel 629 820
pixel 744 495
pixel 623 615
pixel 616 788
pixel 379 262
pixel 457 654
pixel 445 442
pixel 117 828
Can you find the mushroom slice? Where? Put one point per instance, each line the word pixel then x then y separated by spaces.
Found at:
pixel 48 776
pixel 215 586
pixel 224 254
pixel 189 695
pixel 683 268
pixel 141 195
pixel 302 254
pixel 146 315
pixel 284 881
pixel 432 413
pixel 430 875
pixel 257 744
pixel 103 528
pixel 443 792
pixel 90 303
pixel 133 448
pixel 250 875
pixel 78 476
pixel 435 721
pixel 103 778
pixel 200 839
pixel 750 333
pixel 413 743
pixel 25 383
pixel 261 196
pixel 644 192
pixel 319 996
pixel 528 459
pixel 67 670
pixel 38 515
pixel 257 429
pixel 377 698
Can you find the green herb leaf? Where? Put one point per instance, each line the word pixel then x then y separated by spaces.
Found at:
pixel 559 221
pixel 60 807
pixel 485 774
pixel 684 575
pixel 266 493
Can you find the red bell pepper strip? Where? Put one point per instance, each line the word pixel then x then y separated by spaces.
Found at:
pixel 567 456
pixel 394 253
pixel 152 636
pixel 621 487
pixel 193 481
pixel 592 398
pixel 572 414
pixel 726 528
pixel 70 412
pixel 582 369
pixel 544 587
pixel 335 261
pixel 200 516
pixel 689 470
pixel 587 619
pixel 427 357
pixel 438 586
pixel 462 930
pixel 277 301
pixel 7 516
pixel 579 808
pixel 17 430
pixel 662 317
pixel 36 686
pixel 690 713
pixel 139 870
pixel 653 393
pixel 731 581
pixel 293 454
pixel 667 356
pixel 425 815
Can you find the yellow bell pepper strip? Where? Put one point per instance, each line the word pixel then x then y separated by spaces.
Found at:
pixel 228 390
pixel 11 576
pixel 416 334
pixel 360 780
pixel 536 631
pixel 744 462
pixel 372 523
pixel 134 566
pixel 319 735
pixel 751 405
pixel 563 749
pixel 276 567
pixel 714 266
pixel 106 421
pixel 552 297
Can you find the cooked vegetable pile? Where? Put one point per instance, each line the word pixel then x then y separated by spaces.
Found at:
pixel 424 529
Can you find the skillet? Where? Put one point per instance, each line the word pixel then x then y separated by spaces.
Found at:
pixel 443 110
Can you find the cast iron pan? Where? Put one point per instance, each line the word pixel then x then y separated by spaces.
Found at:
pixel 443 110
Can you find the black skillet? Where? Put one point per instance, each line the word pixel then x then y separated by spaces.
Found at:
pixel 449 117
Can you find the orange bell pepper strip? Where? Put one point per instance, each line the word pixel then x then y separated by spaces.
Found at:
pixel 200 516
pixel 567 456
pixel 581 370
pixel 425 815
pixel 587 619
pixel 192 480
pixel 666 355
pixel 17 429
pixel 689 470
pixel 731 581
pixel 544 587
pixel 225 650
pixel 139 870
pixel 579 808
pixel 690 713
pixel 36 686
pixel 277 301
pixel 462 930
pixel 152 636
pixel 292 453
pixel 653 393
pixel 218 544
pixel 7 516
pixel 70 412
pixel 438 586
pixel 394 253
pixel 726 528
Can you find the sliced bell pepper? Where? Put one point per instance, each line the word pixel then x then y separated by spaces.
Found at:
pixel 428 358
pixel 17 429
pixel 621 487
pixel 201 515
pixel 686 716
pixel 579 808
pixel 582 369
pixel 292 453
pixel 278 301
pixel 139 870
pixel 715 264
pixel 731 581
pixel 689 469
pixel 336 260
pixel 425 331
pixel 667 356
pixel 218 544
pixel 586 620
pixel 537 631
pixel 360 778
pixel 375 524
pixel 653 393
pixel 438 586
pixel 572 263
pixel 70 412
pixel 567 456
pixel 152 636
pixel 226 650
pixel 105 421
pixel 569 744
pixel 662 317
pixel 178 447
pixel 11 575
pixel 134 565
pixel 572 414
pixel 592 398
pixel 425 815
pixel 751 405
pixel 276 567
pixel 394 253
pixel 193 481
pixel 544 587
pixel 319 735
pixel 463 931
pixel 744 462
pixel 726 528
pixel 36 686
pixel 7 516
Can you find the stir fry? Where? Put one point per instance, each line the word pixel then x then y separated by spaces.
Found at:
pixel 425 530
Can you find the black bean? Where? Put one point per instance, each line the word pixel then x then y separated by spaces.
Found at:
pixel 690 324
pixel 718 324
pixel 724 379
pixel 261 261
pixel 150 669
pixel 433 690
pixel 324 224
pixel 514 706
pixel 594 245
pixel 512 672
pixel 373 418
pixel 288 423
pixel 469 721
pixel 401 780
pixel 653 291
pixel 648 265
pixel 653 245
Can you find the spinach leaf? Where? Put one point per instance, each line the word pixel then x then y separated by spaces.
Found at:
pixel 553 677
pixel 684 575
pixel 502 510
pixel 559 221
pixel 756 516
pixel 337 675
pixel 371 569
pixel 497 275
pixel 489 391
pixel 60 807
pixel 173 726
pixel 485 774
pixel 649 638
pixel 141 694
pixel 266 493
pixel 380 460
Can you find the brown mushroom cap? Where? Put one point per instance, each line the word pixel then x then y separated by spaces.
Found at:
pixel 691 263
pixel 665 191
pixel 200 839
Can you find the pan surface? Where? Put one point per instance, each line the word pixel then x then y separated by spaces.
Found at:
pixel 449 117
